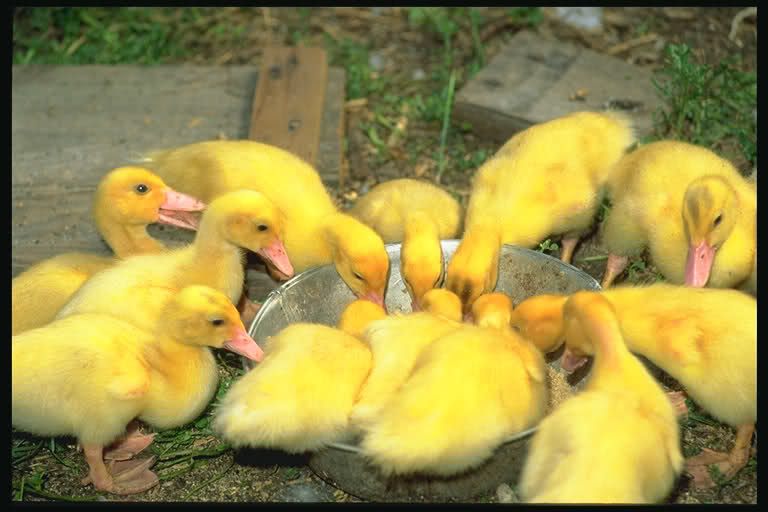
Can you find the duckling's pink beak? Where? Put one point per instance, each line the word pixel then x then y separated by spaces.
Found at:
pixel 244 345
pixel 176 209
pixel 276 255
pixel 699 265
pixel 570 362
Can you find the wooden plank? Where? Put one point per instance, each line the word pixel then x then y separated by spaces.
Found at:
pixel 533 80
pixel 288 102
pixel 71 124
pixel 331 145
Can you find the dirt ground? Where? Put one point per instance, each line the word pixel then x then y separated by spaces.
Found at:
pixel 402 50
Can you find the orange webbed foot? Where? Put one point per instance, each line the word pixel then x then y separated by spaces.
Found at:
pixel 131 444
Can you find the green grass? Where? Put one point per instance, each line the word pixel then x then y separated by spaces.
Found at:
pixel 706 105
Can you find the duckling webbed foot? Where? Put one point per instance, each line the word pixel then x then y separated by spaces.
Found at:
pixel 131 444
pixel 614 267
pixel 122 477
pixel 728 464
pixel 567 246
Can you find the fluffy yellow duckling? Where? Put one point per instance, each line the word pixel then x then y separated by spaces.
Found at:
pixel 468 391
pixel 316 232
pixel 616 442
pixel 705 338
pixel 546 180
pixel 89 375
pixel 692 209
pixel 492 310
pixel 396 343
pixel 358 314
pixel 419 215
pixel 540 320
pixel 300 396
pixel 127 199
pixel 128 290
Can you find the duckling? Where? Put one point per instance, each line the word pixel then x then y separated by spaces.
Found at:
pixel 468 391
pixel 89 375
pixel 316 232
pixel 396 342
pixel 692 209
pixel 616 442
pixel 533 188
pixel 540 320
pixel 242 219
pixel 127 199
pixel 300 396
pixel 358 314
pixel 419 215
pixel 442 302
pixel 492 310
pixel 704 338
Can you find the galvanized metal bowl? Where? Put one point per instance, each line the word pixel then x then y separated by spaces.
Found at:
pixel 319 295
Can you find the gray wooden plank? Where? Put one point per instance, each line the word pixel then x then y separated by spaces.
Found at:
pixel 71 124
pixel 533 79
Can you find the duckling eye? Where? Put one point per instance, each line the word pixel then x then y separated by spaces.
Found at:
pixel 262 227
pixel 718 219
pixel 217 322
pixel 141 188
pixel 357 276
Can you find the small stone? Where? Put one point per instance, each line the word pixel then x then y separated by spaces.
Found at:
pixel 418 74
pixel 589 18
pixel 304 493
pixel 376 62
pixel 505 494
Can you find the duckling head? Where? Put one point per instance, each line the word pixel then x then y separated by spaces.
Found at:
pixel 201 316
pixel 359 256
pixel 248 219
pixel 440 301
pixel 421 258
pixel 540 320
pixel 710 211
pixel 589 322
pixel 358 314
pixel 134 196
pixel 492 310
pixel 474 268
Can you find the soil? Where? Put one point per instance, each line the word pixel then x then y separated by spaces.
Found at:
pixel 403 50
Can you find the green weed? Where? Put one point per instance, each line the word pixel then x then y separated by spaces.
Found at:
pixel 548 247
pixel 705 104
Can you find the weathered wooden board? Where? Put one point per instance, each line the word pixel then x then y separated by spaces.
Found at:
pixel 288 102
pixel 71 124
pixel 533 80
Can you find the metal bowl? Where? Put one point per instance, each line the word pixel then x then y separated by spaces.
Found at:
pixel 319 296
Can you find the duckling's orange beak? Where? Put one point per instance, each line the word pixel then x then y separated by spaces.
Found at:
pixel 570 362
pixel 699 264
pixel 175 210
pixel 244 345
pixel 277 256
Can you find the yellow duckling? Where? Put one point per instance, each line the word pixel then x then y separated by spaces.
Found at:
pixel 705 338
pixel 358 314
pixel 616 442
pixel 89 375
pixel 692 209
pixel 396 343
pixel 468 391
pixel 419 215
pixel 492 310
pixel 546 180
pixel 316 232
pixel 300 396
pixel 127 199
pixel 128 290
